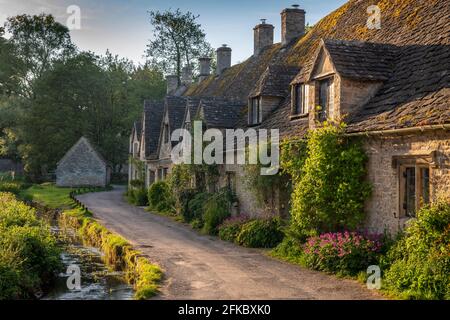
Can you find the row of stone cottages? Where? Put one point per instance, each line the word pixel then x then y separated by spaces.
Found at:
pixel 392 88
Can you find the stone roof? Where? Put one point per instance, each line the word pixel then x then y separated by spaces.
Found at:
pixel 176 108
pixel 275 81
pixel 86 141
pixel 365 61
pixel 152 119
pixel 222 113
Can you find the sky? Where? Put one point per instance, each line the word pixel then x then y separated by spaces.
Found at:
pixel 123 26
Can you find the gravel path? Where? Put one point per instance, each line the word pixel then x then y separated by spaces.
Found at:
pixel 203 267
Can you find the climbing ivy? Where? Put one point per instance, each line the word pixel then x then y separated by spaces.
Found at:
pixel 328 174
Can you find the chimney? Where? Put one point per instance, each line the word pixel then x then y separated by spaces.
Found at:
pixel 223 59
pixel 292 24
pixel 263 36
pixel 172 84
pixel 205 68
pixel 186 75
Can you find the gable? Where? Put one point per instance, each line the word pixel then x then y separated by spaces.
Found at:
pixel 323 65
pixel 82 149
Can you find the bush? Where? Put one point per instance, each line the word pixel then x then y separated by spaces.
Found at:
pixel 196 207
pixel 419 263
pixel 216 210
pixel 29 256
pixel 345 253
pixel 160 198
pixel 329 187
pixel 261 233
pixel 230 228
pixel 137 197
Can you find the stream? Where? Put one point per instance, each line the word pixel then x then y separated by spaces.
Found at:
pixel 98 282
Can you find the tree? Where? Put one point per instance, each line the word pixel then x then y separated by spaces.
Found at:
pixel 39 41
pixel 178 40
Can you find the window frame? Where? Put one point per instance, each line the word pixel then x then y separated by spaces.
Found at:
pixel 419 165
pixel 299 108
pixel 324 112
pixel 255 111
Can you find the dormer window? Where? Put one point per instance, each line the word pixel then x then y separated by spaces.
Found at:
pixel 255 115
pixel 300 96
pixel 324 99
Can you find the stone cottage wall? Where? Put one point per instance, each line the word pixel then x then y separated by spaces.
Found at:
pixel 383 207
pixel 82 167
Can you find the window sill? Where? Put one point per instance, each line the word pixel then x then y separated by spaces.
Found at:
pixel 298 116
pixel 250 125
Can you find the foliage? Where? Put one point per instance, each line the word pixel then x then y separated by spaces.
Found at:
pixel 261 233
pixel 178 40
pixel 418 264
pixel 29 256
pixel 329 188
pixel 345 253
pixel 290 249
pixel 292 157
pixel 180 186
pixel 160 198
pixel 231 227
pixel 62 94
pixel 216 210
pixel 137 196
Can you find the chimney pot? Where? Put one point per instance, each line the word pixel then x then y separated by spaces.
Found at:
pixel 263 36
pixel 292 24
pixel 172 84
pixel 223 58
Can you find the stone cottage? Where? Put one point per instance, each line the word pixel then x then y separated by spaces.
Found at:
pixel 390 85
pixel 82 166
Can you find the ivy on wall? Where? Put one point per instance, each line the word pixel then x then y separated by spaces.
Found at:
pixel 328 176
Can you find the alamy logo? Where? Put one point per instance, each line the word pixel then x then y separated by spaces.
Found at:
pixel 374 278
pixel 239 147
pixel 74 20
pixel 74 280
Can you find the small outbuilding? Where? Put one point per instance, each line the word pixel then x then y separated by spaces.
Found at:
pixel 83 166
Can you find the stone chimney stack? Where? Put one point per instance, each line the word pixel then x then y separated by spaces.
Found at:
pixel 205 68
pixel 292 24
pixel 223 59
pixel 172 84
pixel 263 36
pixel 186 75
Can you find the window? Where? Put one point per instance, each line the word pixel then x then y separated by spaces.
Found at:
pixel 324 99
pixel 300 95
pixel 151 177
pixel 255 116
pixel 414 188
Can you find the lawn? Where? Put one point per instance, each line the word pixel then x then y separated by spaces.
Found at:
pixel 49 195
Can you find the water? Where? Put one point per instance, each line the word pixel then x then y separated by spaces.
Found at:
pixel 98 282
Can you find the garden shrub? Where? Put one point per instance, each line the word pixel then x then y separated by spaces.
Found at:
pixel 180 186
pixel 344 253
pixel 196 207
pixel 29 256
pixel 216 210
pixel 261 233
pixel 160 198
pixel 231 227
pixel 418 265
pixel 329 188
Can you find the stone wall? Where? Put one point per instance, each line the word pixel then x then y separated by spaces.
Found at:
pixel 81 167
pixel 383 207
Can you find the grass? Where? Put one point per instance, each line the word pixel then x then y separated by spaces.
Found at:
pixel 49 195
pixel 119 253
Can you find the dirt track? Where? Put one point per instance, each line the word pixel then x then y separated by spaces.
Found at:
pixel 202 267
